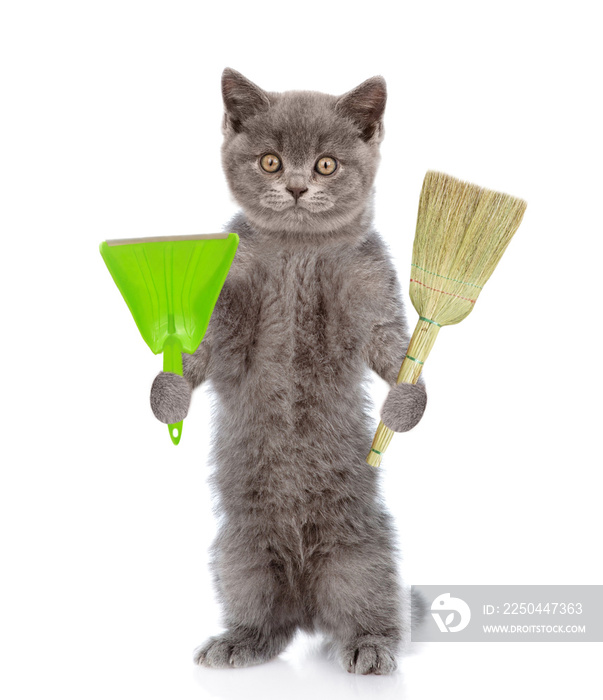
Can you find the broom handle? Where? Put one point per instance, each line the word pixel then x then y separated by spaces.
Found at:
pixel 172 362
pixel 423 338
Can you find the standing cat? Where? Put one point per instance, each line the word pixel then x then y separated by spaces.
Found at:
pixel 310 303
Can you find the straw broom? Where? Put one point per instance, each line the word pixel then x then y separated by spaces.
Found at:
pixel 462 232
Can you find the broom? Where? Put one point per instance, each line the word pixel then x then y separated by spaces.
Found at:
pixel 462 232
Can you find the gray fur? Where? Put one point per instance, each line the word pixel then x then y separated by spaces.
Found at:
pixel 311 303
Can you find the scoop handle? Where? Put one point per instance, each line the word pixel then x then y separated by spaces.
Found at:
pixel 172 362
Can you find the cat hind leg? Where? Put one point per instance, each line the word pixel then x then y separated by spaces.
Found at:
pixel 358 602
pixel 259 609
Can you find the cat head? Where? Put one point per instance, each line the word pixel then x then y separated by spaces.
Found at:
pixel 301 163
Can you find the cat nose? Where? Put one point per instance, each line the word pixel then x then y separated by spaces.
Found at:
pixel 297 191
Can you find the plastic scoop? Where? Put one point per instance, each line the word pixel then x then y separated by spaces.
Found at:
pixel 171 285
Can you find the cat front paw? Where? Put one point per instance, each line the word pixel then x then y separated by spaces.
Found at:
pixel 404 407
pixel 170 397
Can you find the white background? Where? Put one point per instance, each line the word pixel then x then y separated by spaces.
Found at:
pixel 110 127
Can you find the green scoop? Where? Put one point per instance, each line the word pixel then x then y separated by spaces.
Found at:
pixel 171 285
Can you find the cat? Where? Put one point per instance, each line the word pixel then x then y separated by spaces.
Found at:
pixel 310 304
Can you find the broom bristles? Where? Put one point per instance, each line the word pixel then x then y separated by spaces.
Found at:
pixel 462 232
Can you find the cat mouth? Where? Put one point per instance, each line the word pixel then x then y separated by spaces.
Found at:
pixel 297 207
pixel 311 207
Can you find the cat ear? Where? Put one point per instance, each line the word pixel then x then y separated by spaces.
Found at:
pixel 242 99
pixel 365 105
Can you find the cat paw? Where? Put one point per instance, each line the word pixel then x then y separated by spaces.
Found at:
pixel 170 397
pixel 230 651
pixel 404 407
pixel 369 657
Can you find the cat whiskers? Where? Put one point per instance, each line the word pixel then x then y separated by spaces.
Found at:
pixel 317 202
pixel 278 200
pixel 275 200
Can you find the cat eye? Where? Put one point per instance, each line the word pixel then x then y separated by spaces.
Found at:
pixel 270 163
pixel 325 165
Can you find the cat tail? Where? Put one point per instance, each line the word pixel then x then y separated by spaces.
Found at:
pixel 418 609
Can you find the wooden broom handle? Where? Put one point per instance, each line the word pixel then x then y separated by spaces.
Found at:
pixel 423 338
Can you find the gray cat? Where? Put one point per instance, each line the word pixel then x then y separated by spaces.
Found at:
pixel 311 302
